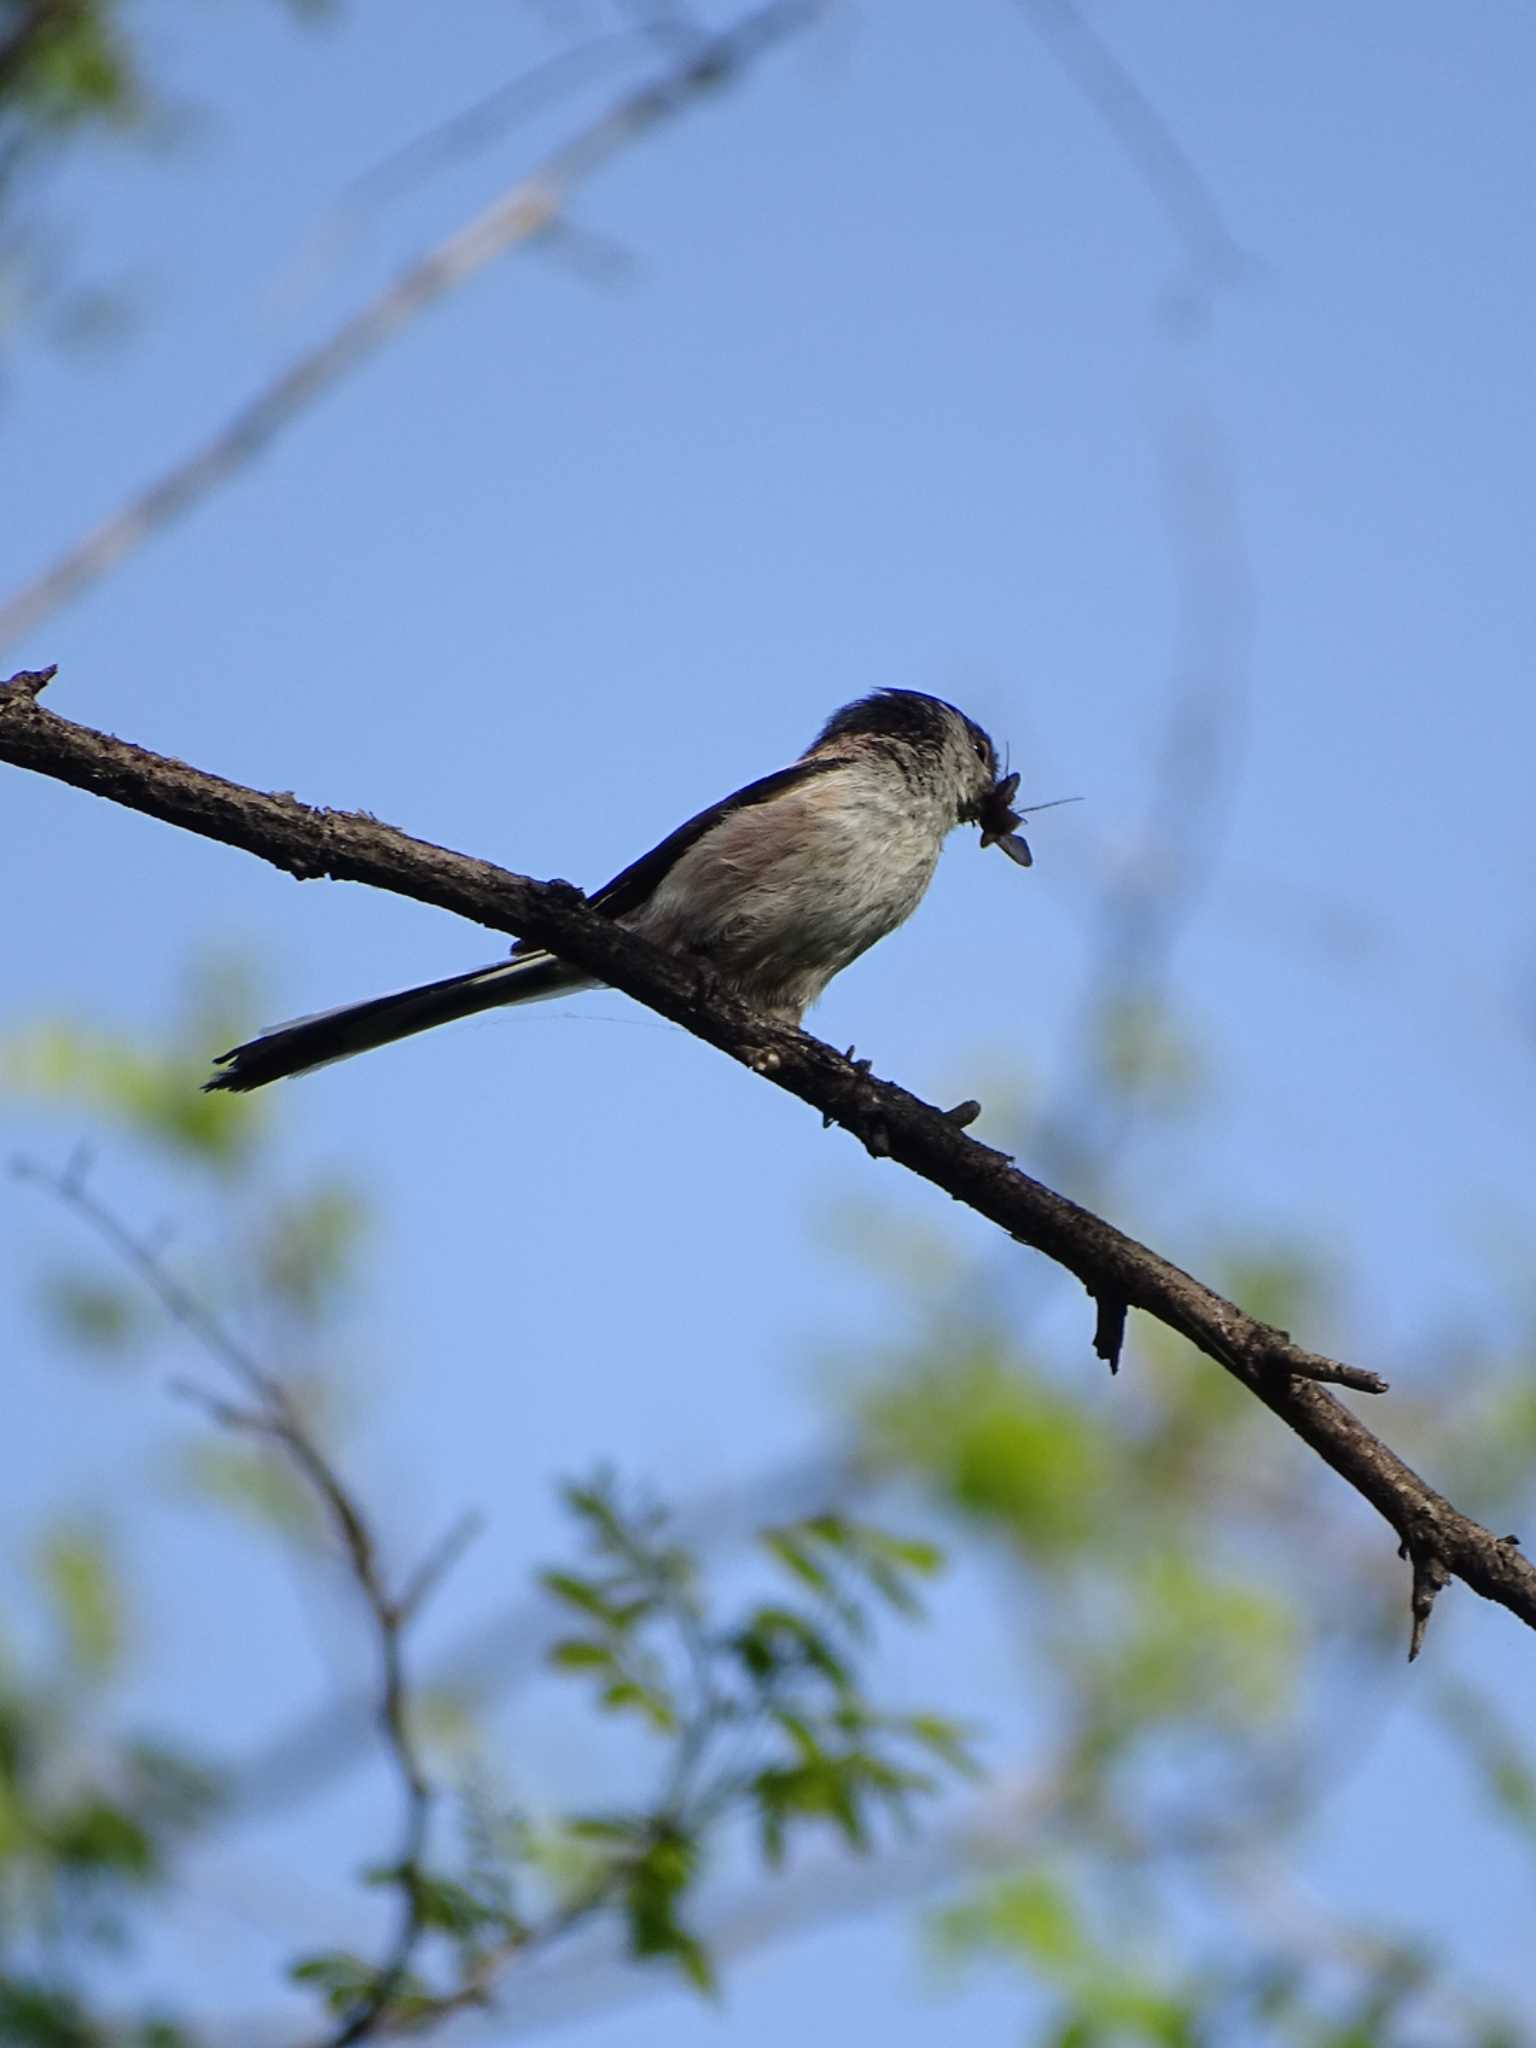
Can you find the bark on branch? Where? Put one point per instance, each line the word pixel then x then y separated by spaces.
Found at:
pixel 1116 1271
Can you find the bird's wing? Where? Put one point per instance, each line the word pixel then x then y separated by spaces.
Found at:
pixel 635 884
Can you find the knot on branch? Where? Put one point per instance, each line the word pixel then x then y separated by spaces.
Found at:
pixel 1109 1326
pixel 28 684
pixel 1431 1576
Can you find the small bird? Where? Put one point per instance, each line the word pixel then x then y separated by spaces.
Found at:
pixel 778 887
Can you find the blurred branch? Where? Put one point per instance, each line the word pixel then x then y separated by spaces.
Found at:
pixel 1156 882
pixel 485 119
pixel 1188 203
pixel 528 210
pixel 274 1416
pixel 598 1978
pixel 499 1653
pixel 1114 1268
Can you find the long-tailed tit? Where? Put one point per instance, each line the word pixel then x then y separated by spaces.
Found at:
pixel 778 887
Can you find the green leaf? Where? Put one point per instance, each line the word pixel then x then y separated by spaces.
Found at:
pixel 823 1790
pixel 795 1558
pixel 594 1504
pixel 341 1979
pixel 914 1554
pixel 945 1739
pixel 94 1835
pixel 1006 1449
pixel 656 1883
pixel 145 1092
pixel 1212 1649
pixel 628 1692
pixel 161 2034
pixel 87 1596
pixel 584 1594
pixel 777 1640
pixel 453 1909
pixel 1496 1751
pixel 579 1653
pixel 309 1245
pixel 693 1960
pixel 345 1980
pixel 1145 1054
pixel 599 1827
pixel 34 2015
pixel 254 1481
pixel 95 1315
pixel 1030 1914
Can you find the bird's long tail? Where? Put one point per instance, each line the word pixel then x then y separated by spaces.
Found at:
pixel 312 1042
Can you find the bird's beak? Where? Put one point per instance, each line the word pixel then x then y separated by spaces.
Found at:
pixel 998 820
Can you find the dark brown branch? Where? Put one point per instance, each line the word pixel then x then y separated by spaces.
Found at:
pixel 1109 1329
pixel 347 846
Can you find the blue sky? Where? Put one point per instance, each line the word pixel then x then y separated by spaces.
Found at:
pixel 882 398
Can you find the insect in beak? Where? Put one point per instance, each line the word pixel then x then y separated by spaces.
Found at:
pixel 997 819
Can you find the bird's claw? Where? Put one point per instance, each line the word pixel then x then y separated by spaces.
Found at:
pixel 866 1121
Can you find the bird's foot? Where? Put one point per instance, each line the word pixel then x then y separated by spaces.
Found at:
pixel 866 1120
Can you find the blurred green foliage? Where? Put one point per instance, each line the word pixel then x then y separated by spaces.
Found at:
pixel 143 1090
pixel 70 71
pixel 759 1709
pixel 1187 1595
pixel 67 62
pixel 89 1827
pixel 1193 1603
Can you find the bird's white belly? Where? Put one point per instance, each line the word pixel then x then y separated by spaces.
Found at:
pixel 782 896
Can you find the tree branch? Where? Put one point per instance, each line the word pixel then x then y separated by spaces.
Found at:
pixel 1188 203
pixel 349 846
pixel 275 1417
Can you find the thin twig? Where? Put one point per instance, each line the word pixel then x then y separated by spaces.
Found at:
pixel 1188 203
pixel 276 1418
pixel 352 846
pixel 438 1563
pixel 484 119
pixel 520 215
pixel 505 1650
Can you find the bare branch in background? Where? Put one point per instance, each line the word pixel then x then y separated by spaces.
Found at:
pixel 1138 921
pixel 1214 257
pixel 273 1416
pixel 482 122
pixel 518 217
pixel 739 1721
pixel 1155 885
pixel 346 846
pixel 494 1656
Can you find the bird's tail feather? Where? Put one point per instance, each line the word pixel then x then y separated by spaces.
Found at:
pixel 312 1042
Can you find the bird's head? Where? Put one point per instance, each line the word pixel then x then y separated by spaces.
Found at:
pixel 940 748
